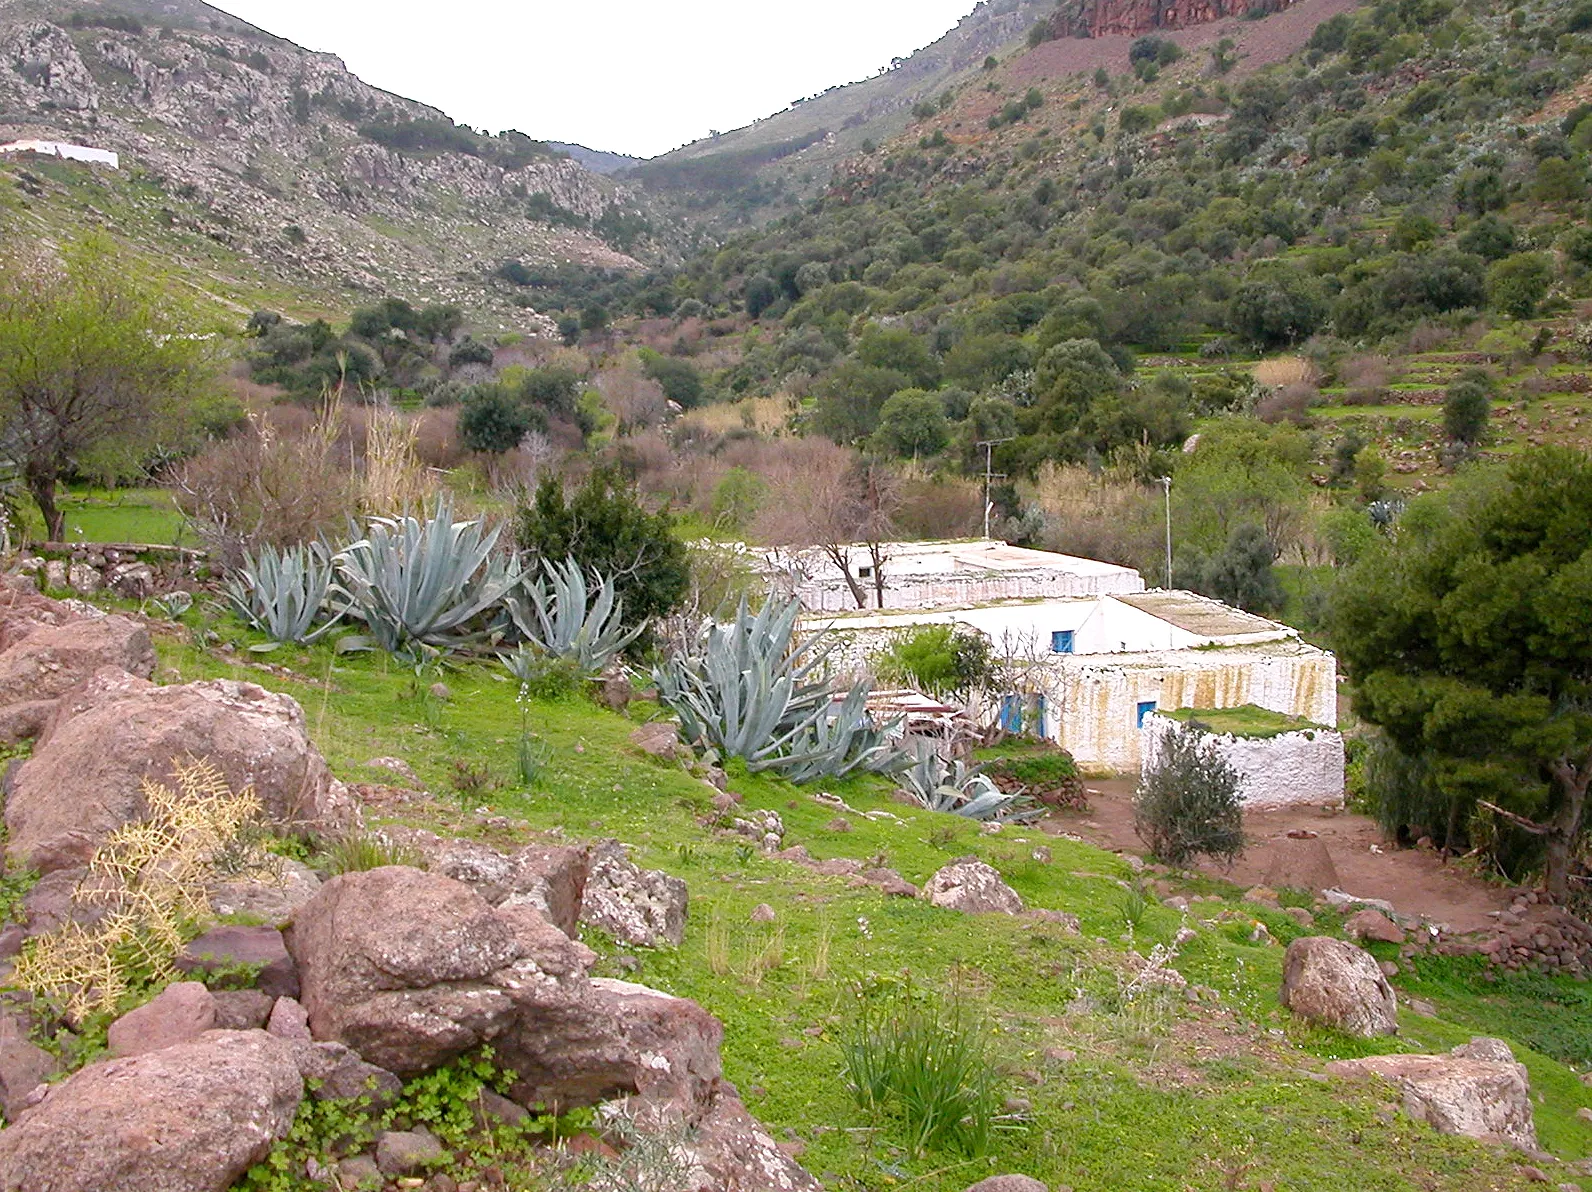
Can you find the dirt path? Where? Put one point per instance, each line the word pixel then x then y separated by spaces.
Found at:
pixel 1415 881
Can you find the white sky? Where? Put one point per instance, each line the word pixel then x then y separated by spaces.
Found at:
pixel 632 76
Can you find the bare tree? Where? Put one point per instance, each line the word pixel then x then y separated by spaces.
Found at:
pixel 814 502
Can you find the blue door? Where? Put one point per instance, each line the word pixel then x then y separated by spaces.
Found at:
pixel 1146 706
pixel 1011 718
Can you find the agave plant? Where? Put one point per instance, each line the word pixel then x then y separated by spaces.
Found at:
pixel 282 592
pixel 421 583
pixel 960 789
pixel 570 621
pixel 752 691
pixel 746 690
pixel 841 741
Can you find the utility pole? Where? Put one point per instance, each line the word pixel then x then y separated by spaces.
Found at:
pixel 1166 481
pixel 989 459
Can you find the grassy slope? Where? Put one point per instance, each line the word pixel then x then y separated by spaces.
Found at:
pixel 1147 1094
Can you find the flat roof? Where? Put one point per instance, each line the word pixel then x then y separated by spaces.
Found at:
pixel 891 618
pixel 1199 614
pixel 991 554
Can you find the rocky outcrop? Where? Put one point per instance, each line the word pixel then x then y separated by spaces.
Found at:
pixel 973 886
pixel 412 968
pixel 640 907
pixel 1134 18
pixel 110 733
pixel 1477 1090
pixel 1333 982
pixel 188 1118
pixel 242 136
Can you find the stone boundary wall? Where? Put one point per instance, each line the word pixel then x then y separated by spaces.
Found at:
pixel 1298 767
pixel 131 570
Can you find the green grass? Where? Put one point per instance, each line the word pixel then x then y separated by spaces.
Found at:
pixel 1247 720
pixel 144 516
pixel 1122 1092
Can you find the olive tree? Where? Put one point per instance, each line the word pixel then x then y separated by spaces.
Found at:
pixel 98 364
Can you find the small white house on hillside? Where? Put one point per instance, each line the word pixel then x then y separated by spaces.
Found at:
pixel 1087 670
pixel 85 153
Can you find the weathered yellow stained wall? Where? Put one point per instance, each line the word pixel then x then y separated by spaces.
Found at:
pixel 1094 709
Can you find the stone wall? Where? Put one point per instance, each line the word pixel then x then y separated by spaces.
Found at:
pixel 130 570
pixel 1300 767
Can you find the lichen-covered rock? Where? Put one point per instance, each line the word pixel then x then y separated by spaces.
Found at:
pixel 1334 982
pixel 615 1038
pixel 640 907
pixel 1477 1090
pixel 23 1064
pixel 550 878
pixel 972 886
pixel 404 966
pixel 271 897
pixel 188 1118
pixel 112 732
pixel 231 948
pixel 337 1073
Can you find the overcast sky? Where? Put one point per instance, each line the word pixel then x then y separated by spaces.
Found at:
pixel 624 75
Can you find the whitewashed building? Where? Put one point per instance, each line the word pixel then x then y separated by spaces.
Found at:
pixel 61 149
pixel 1087 669
pixel 936 574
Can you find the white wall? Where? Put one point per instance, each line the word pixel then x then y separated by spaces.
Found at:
pixel 1299 767
pixel 102 157
pixel 1093 700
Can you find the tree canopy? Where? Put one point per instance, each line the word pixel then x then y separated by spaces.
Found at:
pixel 99 363
pixel 1469 639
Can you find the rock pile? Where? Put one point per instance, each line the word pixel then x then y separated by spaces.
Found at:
pixel 399 971
pixel 129 570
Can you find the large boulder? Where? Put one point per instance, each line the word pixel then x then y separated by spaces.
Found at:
pixel 970 885
pixel 640 907
pixel 1477 1090
pixel 1333 982
pixel 616 1038
pixel 52 659
pixel 189 1118
pixel 113 731
pixel 1299 863
pixel 404 966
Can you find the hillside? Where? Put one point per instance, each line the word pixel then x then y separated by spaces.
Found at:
pixel 270 174
pixel 752 173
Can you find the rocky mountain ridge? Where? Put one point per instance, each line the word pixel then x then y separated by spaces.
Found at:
pixel 1134 18
pixel 310 175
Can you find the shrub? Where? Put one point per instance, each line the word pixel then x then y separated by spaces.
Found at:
pixel 150 878
pixel 1466 408
pixel 493 421
pixel 256 491
pixel 939 659
pixel 1187 801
